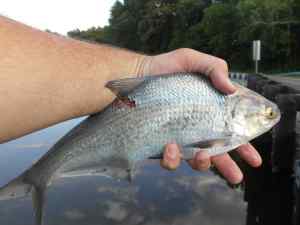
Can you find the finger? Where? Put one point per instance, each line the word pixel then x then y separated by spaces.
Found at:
pixel 220 79
pixel 201 161
pixel 228 168
pixel 189 60
pixel 171 157
pixel 250 155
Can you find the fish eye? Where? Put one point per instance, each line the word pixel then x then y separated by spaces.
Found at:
pixel 270 114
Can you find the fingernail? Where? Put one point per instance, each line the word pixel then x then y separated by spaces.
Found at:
pixel 256 156
pixel 236 177
pixel 239 178
pixel 202 160
pixel 202 156
pixel 257 159
pixel 171 152
pixel 231 86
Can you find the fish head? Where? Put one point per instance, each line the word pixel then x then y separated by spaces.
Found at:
pixel 252 114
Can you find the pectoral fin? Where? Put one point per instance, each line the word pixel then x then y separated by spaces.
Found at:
pixel 212 143
pixel 213 146
pixel 15 189
pixel 158 156
pixel 189 151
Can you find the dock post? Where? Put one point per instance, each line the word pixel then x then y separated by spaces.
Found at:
pixel 283 157
pixel 268 189
pixel 297 164
pixel 258 181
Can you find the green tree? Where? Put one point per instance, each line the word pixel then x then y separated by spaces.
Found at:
pixel 156 26
pixel 220 26
pixel 225 29
pixel 269 21
pixel 188 14
pixel 94 34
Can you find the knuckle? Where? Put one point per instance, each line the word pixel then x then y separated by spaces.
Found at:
pixel 185 51
pixel 167 165
pixel 203 166
pixel 222 63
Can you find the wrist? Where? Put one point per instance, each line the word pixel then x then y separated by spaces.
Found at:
pixel 108 63
pixel 128 64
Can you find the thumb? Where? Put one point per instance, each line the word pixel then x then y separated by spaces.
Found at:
pixel 215 68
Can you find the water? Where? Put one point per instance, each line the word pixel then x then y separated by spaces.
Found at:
pixel 156 196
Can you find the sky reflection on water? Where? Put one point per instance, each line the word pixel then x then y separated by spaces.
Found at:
pixel 156 196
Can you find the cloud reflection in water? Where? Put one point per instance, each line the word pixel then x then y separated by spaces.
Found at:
pixel 156 196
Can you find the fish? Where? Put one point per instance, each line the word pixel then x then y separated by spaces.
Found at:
pixel 148 113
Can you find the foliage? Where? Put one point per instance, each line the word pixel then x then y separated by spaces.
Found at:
pixel 223 28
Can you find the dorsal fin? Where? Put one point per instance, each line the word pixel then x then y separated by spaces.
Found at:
pixel 124 86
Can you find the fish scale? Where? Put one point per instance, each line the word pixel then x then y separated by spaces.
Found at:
pixel 184 108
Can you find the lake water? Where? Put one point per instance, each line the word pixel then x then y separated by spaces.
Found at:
pixel 155 196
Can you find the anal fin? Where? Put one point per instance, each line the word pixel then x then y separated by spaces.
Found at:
pixel 116 168
pixel 16 188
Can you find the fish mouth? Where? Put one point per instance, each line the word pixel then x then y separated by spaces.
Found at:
pixel 277 112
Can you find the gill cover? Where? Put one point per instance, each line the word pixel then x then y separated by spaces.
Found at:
pixel 252 114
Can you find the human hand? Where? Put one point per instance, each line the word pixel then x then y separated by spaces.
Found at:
pixel 188 60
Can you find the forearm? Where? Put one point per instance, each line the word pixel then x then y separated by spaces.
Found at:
pixel 46 79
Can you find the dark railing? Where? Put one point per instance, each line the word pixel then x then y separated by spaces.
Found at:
pixel 273 190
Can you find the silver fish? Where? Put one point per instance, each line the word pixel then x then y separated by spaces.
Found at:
pixel 149 112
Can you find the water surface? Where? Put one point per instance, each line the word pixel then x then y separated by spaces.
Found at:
pixel 156 196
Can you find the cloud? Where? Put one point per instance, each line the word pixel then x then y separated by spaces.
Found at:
pixel 116 211
pixel 74 214
pixel 124 194
pixel 174 200
pixel 32 146
pixel 155 198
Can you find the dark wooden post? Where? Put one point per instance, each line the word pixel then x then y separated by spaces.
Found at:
pixel 284 134
pixel 251 84
pixel 258 181
pixel 283 157
pixel 268 189
pixel 297 164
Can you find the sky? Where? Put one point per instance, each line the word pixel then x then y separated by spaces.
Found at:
pixel 58 16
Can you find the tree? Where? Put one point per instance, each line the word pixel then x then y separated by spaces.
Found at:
pixel 94 34
pixel 225 29
pixel 156 26
pixel 269 21
pixel 221 23
pixel 188 14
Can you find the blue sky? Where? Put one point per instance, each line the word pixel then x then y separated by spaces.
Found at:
pixel 58 15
